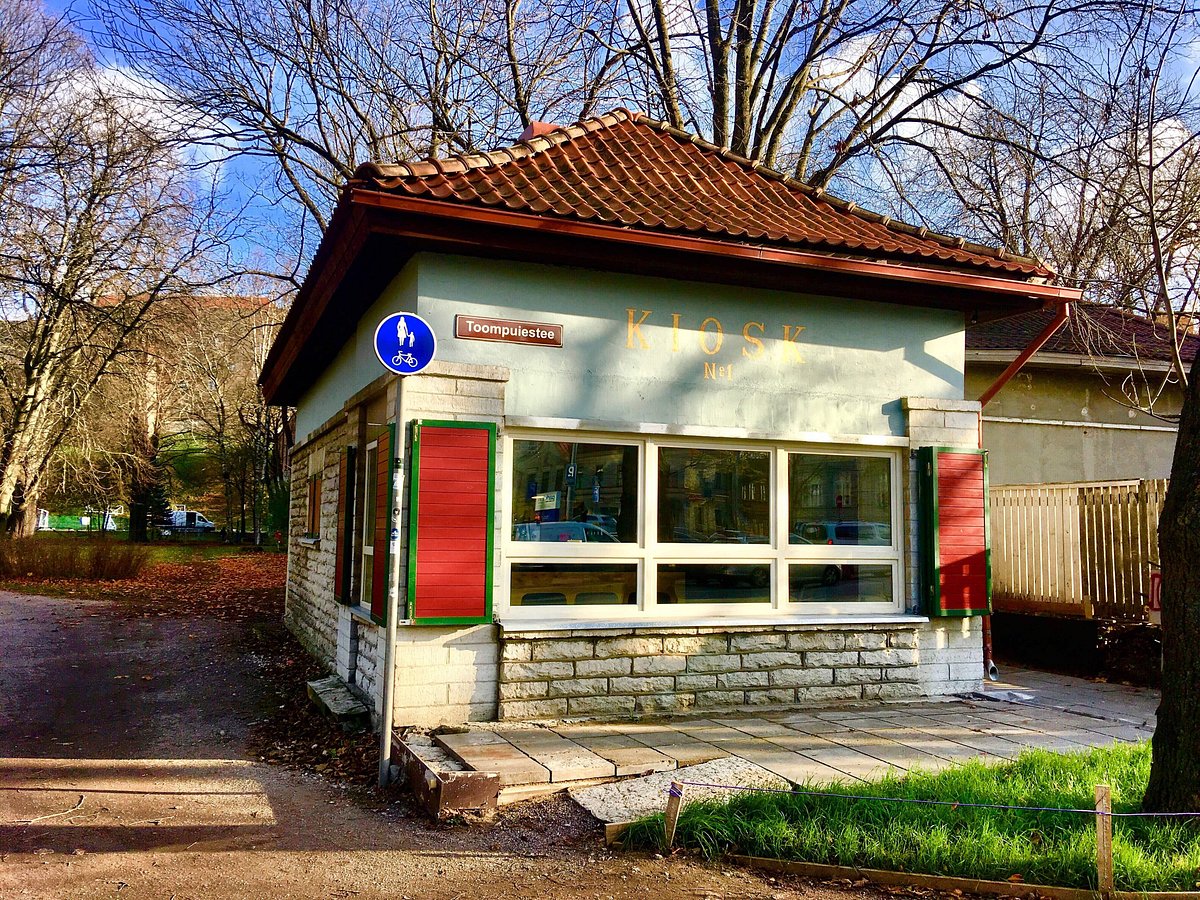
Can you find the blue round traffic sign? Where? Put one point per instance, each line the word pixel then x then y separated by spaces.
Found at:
pixel 405 343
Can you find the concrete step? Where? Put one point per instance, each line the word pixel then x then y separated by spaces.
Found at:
pixel 334 698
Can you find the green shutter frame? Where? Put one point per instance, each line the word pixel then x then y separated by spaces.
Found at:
pixel 379 614
pixel 928 543
pixel 413 502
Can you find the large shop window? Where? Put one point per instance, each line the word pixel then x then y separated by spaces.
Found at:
pixel 678 530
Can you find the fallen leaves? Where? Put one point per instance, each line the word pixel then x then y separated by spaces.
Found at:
pixel 238 587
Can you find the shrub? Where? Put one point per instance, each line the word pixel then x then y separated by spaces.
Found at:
pixel 90 560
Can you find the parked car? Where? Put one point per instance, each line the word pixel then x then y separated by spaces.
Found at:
pixel 563 532
pixel 733 536
pixel 608 523
pixel 185 521
pixel 872 534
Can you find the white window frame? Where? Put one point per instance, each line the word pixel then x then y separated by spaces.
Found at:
pixel 647 553
pixel 367 552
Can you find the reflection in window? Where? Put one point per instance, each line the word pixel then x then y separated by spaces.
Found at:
pixel 708 583
pixel 839 500
pixel 839 583
pixel 566 492
pixel 714 496
pixel 558 584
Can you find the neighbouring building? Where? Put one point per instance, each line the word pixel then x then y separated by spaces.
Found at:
pixel 668 456
pixel 1077 410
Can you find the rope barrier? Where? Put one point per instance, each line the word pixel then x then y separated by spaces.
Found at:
pixel 956 804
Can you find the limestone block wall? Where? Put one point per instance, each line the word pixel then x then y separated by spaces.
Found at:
pixel 622 672
pixel 310 611
pixel 446 676
pixel 951 656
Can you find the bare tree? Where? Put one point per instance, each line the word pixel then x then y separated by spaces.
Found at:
pixel 313 89
pixel 220 408
pixel 100 225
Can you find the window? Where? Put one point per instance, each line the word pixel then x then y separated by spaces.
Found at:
pixel 713 496
pixel 370 483
pixel 316 470
pixel 574 506
pixel 574 492
pixel 839 500
pixel 616 528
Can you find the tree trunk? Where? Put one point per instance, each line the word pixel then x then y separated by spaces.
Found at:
pixel 1175 768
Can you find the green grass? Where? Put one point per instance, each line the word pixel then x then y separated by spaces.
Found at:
pixel 1054 848
pixel 190 551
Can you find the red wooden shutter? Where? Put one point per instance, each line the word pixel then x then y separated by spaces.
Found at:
pixel 380 563
pixel 343 563
pixel 955 548
pixel 451 523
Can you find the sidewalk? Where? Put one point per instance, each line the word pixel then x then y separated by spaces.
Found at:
pixel 1028 709
pixel 1135 705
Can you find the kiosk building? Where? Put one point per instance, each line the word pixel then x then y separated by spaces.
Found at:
pixel 688 441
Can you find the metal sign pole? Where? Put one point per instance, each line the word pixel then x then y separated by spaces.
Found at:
pixel 400 452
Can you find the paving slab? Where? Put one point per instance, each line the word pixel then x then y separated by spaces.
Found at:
pixel 755 726
pixel 565 760
pixel 684 749
pixel 1134 705
pixel 333 697
pixel 984 744
pixel 928 743
pixel 850 763
pixel 624 801
pixel 795 768
pixel 494 755
pixel 887 751
pixel 628 756
pixel 818 745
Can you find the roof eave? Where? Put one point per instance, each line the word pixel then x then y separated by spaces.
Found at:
pixel 413 224
pixel 1122 364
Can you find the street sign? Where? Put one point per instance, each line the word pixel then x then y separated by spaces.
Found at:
pixel 405 343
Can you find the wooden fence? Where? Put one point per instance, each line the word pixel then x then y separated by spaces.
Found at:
pixel 1081 549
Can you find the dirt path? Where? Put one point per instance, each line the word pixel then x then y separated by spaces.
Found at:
pixel 126 770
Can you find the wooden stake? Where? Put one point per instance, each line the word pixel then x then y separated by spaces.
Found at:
pixel 674 804
pixel 1104 860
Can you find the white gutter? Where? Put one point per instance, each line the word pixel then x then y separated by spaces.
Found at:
pixel 1071 361
pixel 1066 423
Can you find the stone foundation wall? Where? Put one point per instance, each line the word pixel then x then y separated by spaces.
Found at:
pixel 310 611
pixel 624 672
pixel 446 676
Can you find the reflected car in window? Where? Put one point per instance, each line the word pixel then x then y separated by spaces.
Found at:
pixel 732 536
pixel 871 534
pixel 563 533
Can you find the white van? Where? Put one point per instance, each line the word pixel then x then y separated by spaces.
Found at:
pixel 185 521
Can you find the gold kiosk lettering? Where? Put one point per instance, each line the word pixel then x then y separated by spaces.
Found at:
pixel 790 348
pixel 716 372
pixel 635 329
pixel 714 348
pixel 752 341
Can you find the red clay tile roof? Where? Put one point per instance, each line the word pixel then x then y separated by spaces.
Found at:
pixel 1092 330
pixel 626 170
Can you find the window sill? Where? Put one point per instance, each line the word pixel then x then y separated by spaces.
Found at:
pixel 362 614
pixel 309 541
pixel 710 623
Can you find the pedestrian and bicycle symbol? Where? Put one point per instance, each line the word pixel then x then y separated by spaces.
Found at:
pixel 405 343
